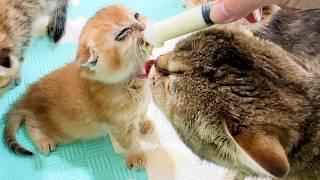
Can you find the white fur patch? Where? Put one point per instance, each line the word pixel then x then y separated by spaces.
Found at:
pixel 115 76
pixel 39 27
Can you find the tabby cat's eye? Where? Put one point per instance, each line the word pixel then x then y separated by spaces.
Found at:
pixel 137 16
pixel 123 34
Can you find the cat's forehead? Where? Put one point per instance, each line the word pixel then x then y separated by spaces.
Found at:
pixel 117 14
pixel 215 39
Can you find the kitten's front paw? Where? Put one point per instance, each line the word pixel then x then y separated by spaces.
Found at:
pixel 136 160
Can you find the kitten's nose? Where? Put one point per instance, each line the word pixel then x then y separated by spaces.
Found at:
pixel 139 27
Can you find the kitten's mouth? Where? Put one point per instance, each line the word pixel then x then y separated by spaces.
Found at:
pixel 145 71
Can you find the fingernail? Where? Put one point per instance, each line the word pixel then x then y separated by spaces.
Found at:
pixel 257 15
pixel 219 13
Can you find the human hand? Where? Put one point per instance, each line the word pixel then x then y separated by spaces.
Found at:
pixel 226 11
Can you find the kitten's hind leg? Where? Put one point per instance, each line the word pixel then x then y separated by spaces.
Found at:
pixel 43 142
pixel 56 27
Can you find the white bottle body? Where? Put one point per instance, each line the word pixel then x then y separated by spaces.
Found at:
pixel 176 26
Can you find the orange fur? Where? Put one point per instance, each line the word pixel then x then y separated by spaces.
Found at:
pixel 76 102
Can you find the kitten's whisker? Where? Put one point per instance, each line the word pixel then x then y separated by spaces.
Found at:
pixel 133 96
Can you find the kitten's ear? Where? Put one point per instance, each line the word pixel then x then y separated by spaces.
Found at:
pixel 89 61
pixel 265 150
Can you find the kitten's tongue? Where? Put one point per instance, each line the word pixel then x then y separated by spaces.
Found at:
pixel 144 72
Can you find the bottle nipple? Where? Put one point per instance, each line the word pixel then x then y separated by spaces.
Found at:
pixel 187 22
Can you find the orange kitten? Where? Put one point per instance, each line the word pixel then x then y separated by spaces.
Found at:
pixel 100 90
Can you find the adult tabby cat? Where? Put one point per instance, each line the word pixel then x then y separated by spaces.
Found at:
pixel 247 103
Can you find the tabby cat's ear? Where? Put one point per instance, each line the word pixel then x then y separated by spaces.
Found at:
pixel 270 59
pixel 262 150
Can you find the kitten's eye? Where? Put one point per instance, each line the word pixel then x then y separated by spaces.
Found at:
pixel 137 16
pixel 123 34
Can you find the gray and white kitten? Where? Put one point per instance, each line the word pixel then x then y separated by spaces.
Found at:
pixel 17 18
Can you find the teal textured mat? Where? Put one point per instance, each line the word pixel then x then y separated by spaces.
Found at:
pixel 94 159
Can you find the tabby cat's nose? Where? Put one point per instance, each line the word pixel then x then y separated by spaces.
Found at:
pixel 161 62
